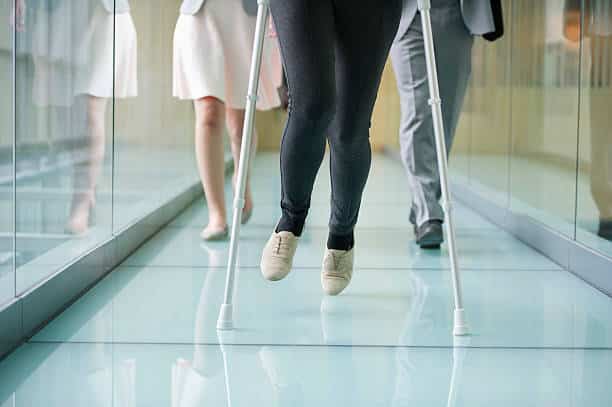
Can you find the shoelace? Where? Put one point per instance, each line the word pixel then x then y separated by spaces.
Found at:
pixel 282 248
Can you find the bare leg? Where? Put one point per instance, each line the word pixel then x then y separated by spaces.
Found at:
pixel 87 175
pixel 235 125
pixel 209 124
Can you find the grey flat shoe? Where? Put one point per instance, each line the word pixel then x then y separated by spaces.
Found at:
pixel 246 216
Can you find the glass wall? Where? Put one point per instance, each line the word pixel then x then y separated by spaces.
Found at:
pixel 91 139
pixel 545 97
pixel 524 96
pixel 7 203
pixel 594 209
pixel 538 134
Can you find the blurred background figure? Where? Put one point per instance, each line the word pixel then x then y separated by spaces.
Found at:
pixel 94 87
pixel 73 53
pixel 213 43
pixel 454 25
pixel 596 27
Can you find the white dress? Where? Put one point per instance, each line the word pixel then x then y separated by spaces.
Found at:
pixel 95 76
pixel 212 56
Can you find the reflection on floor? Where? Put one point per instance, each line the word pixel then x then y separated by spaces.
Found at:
pixel 145 335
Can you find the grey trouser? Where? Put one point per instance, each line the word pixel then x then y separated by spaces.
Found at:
pixel 453 47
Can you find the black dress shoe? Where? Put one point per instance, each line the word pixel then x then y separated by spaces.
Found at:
pixel 605 229
pixel 429 234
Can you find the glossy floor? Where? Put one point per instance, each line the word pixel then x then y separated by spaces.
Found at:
pixel 145 335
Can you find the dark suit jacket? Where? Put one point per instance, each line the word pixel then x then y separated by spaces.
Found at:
pixel 481 17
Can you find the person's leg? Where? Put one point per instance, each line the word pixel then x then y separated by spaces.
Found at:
pixel 235 125
pixel 364 32
pixel 209 126
pixel 87 175
pixel 453 45
pixel 305 33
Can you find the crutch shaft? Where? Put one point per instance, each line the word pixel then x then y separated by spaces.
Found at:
pixel 460 327
pixel 225 314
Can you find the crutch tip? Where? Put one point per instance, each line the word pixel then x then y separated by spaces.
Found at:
pixel 225 321
pixel 460 327
pixel 461 330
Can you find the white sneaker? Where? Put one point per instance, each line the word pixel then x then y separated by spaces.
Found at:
pixel 277 256
pixel 337 270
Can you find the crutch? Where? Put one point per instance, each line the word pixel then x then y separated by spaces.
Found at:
pixel 225 321
pixel 459 322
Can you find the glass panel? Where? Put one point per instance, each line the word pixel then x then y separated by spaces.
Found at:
pixel 594 223
pixel 7 203
pixel 490 115
pixel 153 131
pixel 545 75
pixel 64 83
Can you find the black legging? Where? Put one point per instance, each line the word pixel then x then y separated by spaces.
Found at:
pixel 334 52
